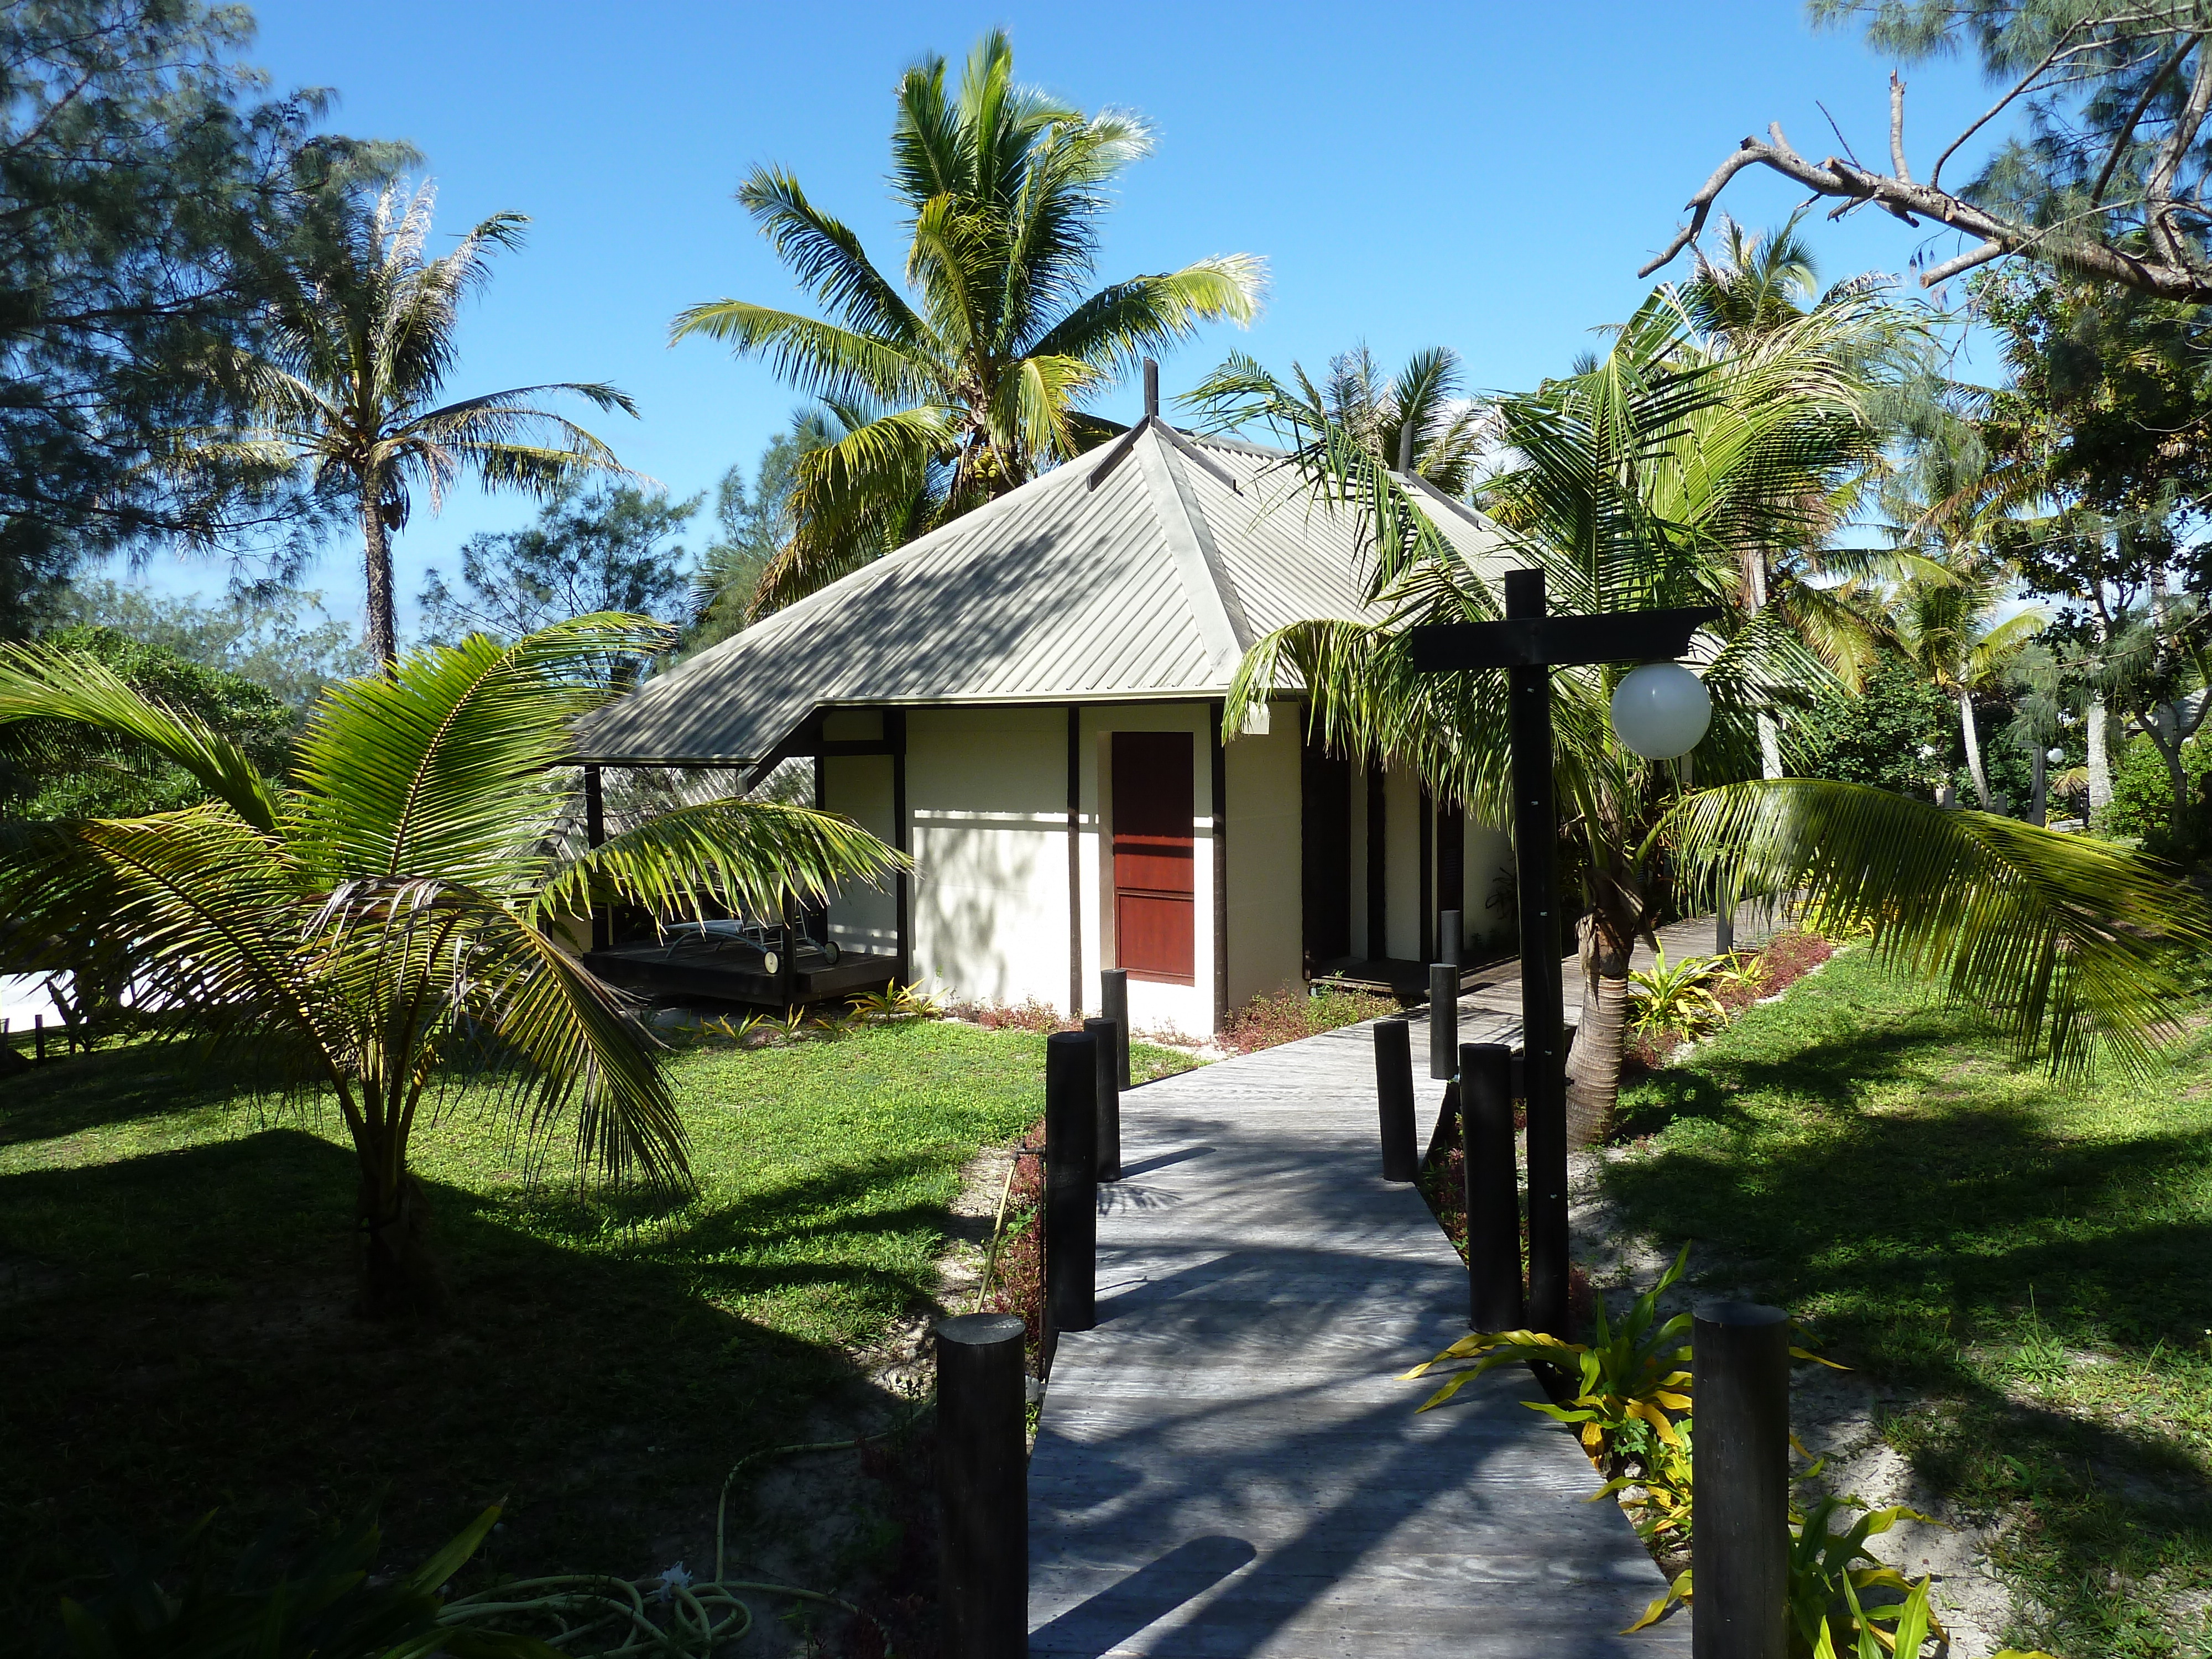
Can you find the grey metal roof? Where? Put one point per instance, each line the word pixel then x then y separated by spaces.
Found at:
pixel 1142 571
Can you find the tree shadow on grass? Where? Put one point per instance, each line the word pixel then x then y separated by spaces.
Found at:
pixel 79 1093
pixel 193 1348
pixel 1998 1260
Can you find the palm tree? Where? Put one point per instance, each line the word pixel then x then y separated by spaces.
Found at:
pixel 360 338
pixel 387 919
pixel 1951 629
pixel 970 387
pixel 1419 420
pixel 1628 483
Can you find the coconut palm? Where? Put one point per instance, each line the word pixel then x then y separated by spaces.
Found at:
pixel 1419 420
pixel 388 918
pixel 965 386
pixel 360 338
pixel 1627 483
pixel 1952 629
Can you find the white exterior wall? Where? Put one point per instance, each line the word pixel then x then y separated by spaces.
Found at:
pixel 988 792
pixel 1265 881
pixel 859 788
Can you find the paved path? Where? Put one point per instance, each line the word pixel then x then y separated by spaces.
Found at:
pixel 1229 1465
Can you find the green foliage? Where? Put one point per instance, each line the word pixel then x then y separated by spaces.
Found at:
pixel 2074 945
pixel 2077 1433
pixel 59 767
pixel 1680 997
pixel 755 524
pixel 285 1599
pixel 386 915
pixel 285 641
pixel 145 173
pixel 1878 736
pixel 978 377
pixel 1636 1374
pixel 2143 800
pixel 591 551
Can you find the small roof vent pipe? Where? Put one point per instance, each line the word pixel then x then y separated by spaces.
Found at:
pixel 1152 390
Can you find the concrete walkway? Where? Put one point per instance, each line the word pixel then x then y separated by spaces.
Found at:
pixel 1230 1465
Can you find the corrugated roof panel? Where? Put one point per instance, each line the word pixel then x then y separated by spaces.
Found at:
pixel 1056 590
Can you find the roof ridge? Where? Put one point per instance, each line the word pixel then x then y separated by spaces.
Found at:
pixel 1214 606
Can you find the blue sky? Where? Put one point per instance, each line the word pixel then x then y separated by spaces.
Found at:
pixel 1483 177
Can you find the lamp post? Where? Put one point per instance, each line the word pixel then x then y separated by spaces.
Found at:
pixel 1657 711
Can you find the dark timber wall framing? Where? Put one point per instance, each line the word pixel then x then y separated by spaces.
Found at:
pixel 1220 804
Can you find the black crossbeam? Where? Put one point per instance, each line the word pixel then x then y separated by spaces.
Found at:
pixel 1558 641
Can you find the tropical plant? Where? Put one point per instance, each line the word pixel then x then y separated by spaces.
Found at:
pixel 1828 1572
pixel 1631 484
pixel 1656 1494
pixel 1418 421
pixel 287 1598
pixel 1949 627
pixel 981 379
pixel 384 922
pixel 1680 997
pixel 1635 1374
pixel 358 338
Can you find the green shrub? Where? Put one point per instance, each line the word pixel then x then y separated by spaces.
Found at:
pixel 2143 801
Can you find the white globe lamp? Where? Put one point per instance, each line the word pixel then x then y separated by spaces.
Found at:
pixel 1661 710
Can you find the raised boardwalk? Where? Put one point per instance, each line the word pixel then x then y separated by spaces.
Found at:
pixel 1229 1465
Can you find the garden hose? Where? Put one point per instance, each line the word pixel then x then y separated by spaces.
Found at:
pixel 695 1616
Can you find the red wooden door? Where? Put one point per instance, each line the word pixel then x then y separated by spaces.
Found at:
pixel 1154 911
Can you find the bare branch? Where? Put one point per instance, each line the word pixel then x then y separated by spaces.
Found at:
pixel 2157 190
pixel 1897 128
pixel 1964 262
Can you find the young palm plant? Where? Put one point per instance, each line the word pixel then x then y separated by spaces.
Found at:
pixel 362 337
pixel 1628 485
pixel 384 921
pixel 968 389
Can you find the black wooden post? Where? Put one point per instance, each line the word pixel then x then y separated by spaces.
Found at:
pixel 1451 936
pixel 982 1486
pixel 1071 1203
pixel 1536 830
pixel 1740 1484
pixel 1394 1092
pixel 595 833
pixel 1114 1003
pixel 1443 1019
pixel 1107 1088
pixel 1494 1301
pixel 39 1038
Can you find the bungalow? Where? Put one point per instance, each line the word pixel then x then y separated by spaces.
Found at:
pixel 1028 700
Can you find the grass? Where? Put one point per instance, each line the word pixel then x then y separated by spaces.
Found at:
pixel 2028 1258
pixel 177 1338
pixel 1287 1015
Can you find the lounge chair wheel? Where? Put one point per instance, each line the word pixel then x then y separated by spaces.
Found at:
pixel 829 951
pixel 771 963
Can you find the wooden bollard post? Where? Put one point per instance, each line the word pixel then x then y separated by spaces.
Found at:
pixel 1450 936
pixel 1107 1087
pixel 39 1038
pixel 1443 1019
pixel 982 1486
pixel 1114 1003
pixel 1494 1299
pixel 1394 1094
pixel 1740 1482
pixel 1071 1185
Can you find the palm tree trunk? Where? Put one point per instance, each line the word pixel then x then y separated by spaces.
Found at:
pixel 1593 1063
pixel 1975 770
pixel 383 635
pixel 393 1220
pixel 2100 756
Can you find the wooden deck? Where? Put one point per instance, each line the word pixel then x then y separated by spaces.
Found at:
pixel 1229 1465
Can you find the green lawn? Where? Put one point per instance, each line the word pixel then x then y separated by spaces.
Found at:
pixel 176 1335
pixel 2031 1259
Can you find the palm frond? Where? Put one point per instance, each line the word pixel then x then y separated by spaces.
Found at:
pixel 40 683
pixel 2066 941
